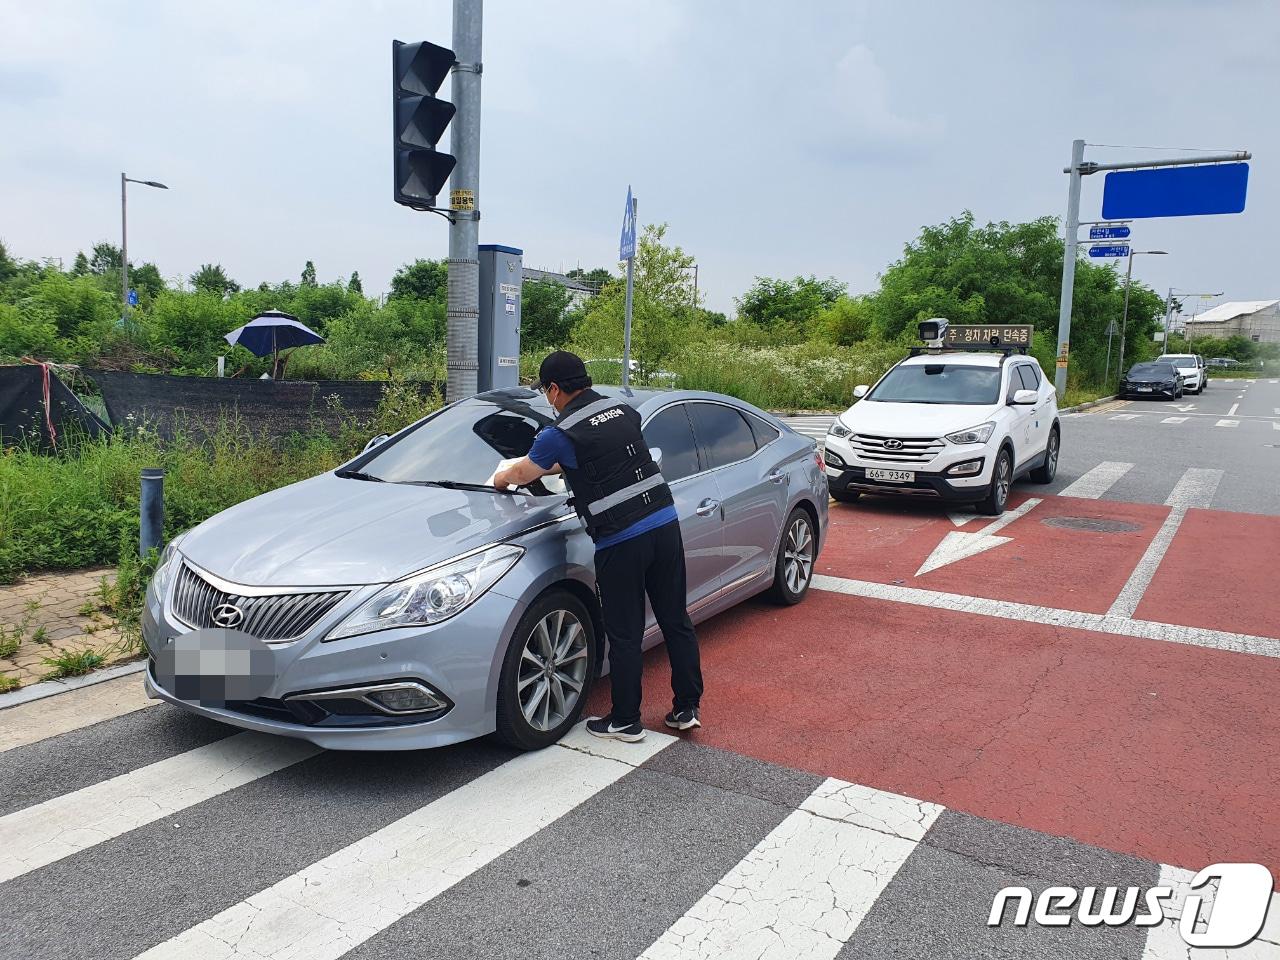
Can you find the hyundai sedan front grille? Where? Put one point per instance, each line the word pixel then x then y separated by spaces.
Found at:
pixel 895 450
pixel 272 617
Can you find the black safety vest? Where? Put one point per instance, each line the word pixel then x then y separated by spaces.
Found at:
pixel 616 481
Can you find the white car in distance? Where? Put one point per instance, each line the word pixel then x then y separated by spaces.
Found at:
pixel 1190 368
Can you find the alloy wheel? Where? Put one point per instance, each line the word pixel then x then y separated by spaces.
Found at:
pixel 1054 443
pixel 553 670
pixel 798 555
pixel 1003 470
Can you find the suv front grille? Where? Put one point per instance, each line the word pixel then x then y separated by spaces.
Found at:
pixel 271 617
pixel 915 450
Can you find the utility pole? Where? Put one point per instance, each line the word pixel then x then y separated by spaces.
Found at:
pixel 124 238
pixel 1068 269
pixel 626 309
pixel 1128 280
pixel 463 313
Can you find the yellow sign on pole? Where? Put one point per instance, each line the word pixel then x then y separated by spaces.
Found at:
pixel 462 200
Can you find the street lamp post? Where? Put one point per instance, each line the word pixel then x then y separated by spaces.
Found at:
pixel 124 237
pixel 1124 321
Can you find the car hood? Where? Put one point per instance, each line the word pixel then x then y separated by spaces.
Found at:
pixel 914 419
pixel 328 531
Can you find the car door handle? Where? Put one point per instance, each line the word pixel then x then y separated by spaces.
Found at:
pixel 707 507
pixel 776 477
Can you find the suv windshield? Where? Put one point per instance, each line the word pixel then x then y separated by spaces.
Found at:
pixel 938 383
pixel 461 444
pixel 1179 361
pixel 1153 370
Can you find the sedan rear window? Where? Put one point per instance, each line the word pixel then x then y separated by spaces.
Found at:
pixel 938 383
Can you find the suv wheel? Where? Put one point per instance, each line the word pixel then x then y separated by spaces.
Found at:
pixel 793 568
pixel 550 663
pixel 1001 480
pixel 1049 469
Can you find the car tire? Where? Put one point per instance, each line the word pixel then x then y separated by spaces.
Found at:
pixel 845 496
pixel 1049 469
pixel 993 504
pixel 797 553
pixel 526 720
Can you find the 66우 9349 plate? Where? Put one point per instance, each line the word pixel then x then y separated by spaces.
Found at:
pixel 893 476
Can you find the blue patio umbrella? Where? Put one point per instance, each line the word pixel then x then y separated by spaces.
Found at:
pixel 272 331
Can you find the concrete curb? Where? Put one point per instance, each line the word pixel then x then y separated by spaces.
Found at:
pixel 1085 406
pixel 51 688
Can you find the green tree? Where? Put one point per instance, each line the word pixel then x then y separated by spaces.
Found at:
pixel 421 280
pixel 354 285
pixel 544 315
pixel 81 265
pixel 8 266
pixel 106 259
pixel 596 277
pixel 787 307
pixel 212 278
pixel 309 274
pixel 847 321
pixel 146 280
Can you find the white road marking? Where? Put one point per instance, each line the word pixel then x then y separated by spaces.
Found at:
pixel 1227 423
pixel 805 887
pixel 960 519
pixel 1234 408
pixel 42 834
pixel 1275 424
pixel 71 710
pixel 1195 488
pixel 335 904
pixel 1174 420
pixel 1097 481
pixel 1165 943
pixel 1184 407
pixel 1052 616
pixel 957 546
pixel 1126 416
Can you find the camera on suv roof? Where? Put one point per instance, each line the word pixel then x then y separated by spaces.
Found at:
pixel 933 330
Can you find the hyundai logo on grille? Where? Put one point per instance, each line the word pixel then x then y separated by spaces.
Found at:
pixel 893 444
pixel 226 615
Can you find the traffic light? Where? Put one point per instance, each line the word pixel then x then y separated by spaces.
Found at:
pixel 420 119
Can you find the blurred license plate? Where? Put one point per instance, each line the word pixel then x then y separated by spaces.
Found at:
pixel 893 476
pixel 1144 389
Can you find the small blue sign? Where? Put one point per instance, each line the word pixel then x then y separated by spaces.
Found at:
pixel 1108 233
pixel 133 297
pixel 1110 250
pixel 627 244
pixel 1175 191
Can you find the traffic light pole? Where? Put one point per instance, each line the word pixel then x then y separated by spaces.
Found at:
pixel 463 314
pixel 1068 269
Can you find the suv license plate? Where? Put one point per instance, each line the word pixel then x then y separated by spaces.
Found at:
pixel 893 476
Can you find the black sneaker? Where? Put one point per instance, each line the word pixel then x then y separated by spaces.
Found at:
pixel 604 728
pixel 685 719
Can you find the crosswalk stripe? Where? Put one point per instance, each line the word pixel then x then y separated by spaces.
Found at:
pixel 1164 942
pixel 38 835
pixel 1097 481
pixel 337 903
pixel 1227 423
pixel 1126 416
pixel 1174 420
pixel 806 886
pixel 1195 488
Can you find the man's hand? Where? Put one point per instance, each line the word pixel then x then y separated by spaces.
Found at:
pixel 523 471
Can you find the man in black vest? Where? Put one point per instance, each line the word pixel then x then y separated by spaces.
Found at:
pixel 627 508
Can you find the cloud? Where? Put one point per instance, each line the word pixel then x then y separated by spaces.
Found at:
pixel 862 123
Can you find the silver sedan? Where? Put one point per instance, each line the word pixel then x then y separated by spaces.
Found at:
pixel 400 602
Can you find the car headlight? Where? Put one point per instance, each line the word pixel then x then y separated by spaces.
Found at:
pixel 430 596
pixel 169 561
pixel 979 434
pixel 838 429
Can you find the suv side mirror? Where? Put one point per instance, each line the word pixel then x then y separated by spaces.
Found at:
pixel 375 441
pixel 1022 398
pixel 860 391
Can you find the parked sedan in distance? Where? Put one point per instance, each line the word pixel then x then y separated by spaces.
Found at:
pixel 401 602
pixel 1156 378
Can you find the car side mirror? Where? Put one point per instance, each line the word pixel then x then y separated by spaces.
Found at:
pixel 1022 398
pixel 375 441
pixel 656 453
pixel 860 391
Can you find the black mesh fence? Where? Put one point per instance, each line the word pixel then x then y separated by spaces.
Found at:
pixel 30 405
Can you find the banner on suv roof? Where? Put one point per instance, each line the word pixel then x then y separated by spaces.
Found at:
pixel 988 335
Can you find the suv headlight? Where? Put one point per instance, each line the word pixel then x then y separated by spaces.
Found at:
pixel 430 596
pixel 979 434
pixel 838 429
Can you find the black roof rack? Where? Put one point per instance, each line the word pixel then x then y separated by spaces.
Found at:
pixel 1005 351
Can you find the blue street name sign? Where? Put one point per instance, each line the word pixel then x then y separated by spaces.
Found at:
pixel 1175 191
pixel 627 243
pixel 1111 250
pixel 1108 233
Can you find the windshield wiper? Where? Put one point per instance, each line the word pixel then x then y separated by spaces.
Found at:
pixel 357 475
pixel 455 485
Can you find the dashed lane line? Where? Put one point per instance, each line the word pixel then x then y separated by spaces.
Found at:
pixel 1195 488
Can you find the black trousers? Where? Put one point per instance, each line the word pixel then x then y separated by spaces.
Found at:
pixel 653 564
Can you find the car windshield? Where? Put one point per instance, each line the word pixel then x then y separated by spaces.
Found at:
pixel 938 383
pixel 1179 361
pixel 1149 370
pixel 462 444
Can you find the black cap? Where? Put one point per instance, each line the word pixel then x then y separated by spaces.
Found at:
pixel 564 369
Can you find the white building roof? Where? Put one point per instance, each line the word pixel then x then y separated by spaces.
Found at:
pixel 1229 311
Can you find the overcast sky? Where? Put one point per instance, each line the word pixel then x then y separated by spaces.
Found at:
pixel 775 138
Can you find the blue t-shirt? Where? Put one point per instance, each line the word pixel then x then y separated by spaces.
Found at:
pixel 552 446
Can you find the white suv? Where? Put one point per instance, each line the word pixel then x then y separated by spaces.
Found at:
pixel 1190 368
pixel 952 425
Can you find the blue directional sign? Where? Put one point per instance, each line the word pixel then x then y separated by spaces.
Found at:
pixel 133 297
pixel 1110 250
pixel 1108 233
pixel 1175 191
pixel 627 244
